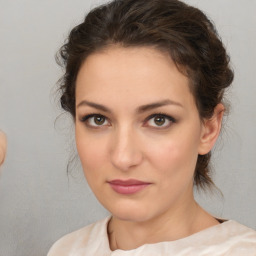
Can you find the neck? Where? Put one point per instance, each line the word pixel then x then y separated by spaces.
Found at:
pixel 185 220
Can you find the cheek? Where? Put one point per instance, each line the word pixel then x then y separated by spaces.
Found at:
pixel 91 152
pixel 174 164
pixel 174 156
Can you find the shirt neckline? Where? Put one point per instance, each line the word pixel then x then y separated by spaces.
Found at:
pixel 192 237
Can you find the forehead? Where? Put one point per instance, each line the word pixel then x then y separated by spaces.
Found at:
pixel 131 75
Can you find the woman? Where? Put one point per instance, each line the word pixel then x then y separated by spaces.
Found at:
pixel 144 83
pixel 3 146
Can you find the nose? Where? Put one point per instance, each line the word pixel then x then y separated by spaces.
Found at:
pixel 125 149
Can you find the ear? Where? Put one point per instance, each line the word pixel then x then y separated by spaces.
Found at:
pixel 211 130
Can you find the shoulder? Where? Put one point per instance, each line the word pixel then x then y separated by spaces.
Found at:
pixel 85 237
pixel 235 228
pixel 228 238
pixel 234 238
pixel 244 234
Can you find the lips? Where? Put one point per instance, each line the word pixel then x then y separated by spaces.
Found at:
pixel 128 187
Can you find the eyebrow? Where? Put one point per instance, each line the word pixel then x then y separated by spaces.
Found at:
pixel 139 110
pixel 158 104
pixel 94 105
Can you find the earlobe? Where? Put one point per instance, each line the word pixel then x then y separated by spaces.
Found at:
pixel 211 130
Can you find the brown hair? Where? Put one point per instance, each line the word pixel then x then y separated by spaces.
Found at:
pixel 168 25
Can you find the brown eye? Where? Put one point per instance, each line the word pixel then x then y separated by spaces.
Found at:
pixel 159 120
pixel 99 120
pixel 95 121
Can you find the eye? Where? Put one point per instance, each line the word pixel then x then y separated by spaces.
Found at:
pixel 95 120
pixel 160 120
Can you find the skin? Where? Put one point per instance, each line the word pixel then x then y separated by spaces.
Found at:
pixel 126 145
pixel 3 146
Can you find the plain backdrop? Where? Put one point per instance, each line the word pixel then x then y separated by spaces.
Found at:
pixel 39 202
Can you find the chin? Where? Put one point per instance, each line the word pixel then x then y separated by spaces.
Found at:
pixel 129 212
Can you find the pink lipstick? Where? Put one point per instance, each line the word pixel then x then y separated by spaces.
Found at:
pixel 128 187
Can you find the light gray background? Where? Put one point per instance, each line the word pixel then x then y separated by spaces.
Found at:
pixel 39 202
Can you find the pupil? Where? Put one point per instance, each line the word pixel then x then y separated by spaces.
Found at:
pixel 159 120
pixel 99 120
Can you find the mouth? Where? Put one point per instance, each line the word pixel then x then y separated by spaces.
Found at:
pixel 128 187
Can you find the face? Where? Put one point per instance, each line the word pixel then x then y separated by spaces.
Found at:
pixel 138 132
pixel 3 145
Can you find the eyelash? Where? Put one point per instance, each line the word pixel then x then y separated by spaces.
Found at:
pixel 87 117
pixel 161 115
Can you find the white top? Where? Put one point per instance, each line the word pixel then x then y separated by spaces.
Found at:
pixel 228 238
